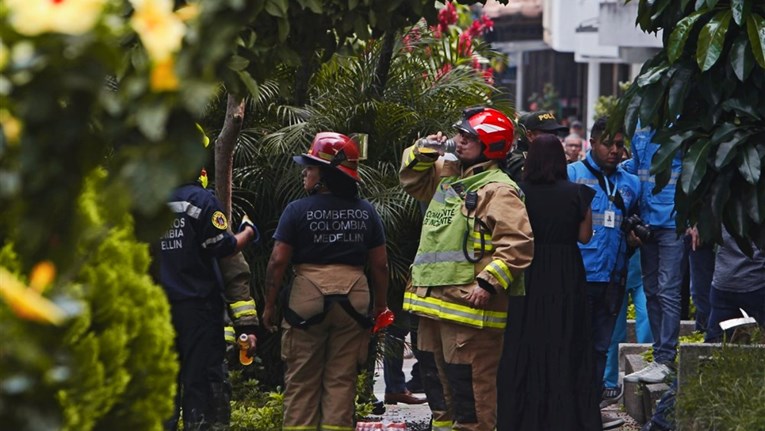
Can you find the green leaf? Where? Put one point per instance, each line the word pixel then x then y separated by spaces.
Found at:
pixel 749 196
pixel 679 36
pixel 695 165
pixel 711 4
pixel 277 8
pixel 238 63
pixel 727 147
pixel 632 114
pixel 750 164
pixel 755 28
pixel 741 58
pixel 711 40
pixel 662 160
pixel 652 75
pixel 653 97
pixel 151 121
pixel 250 83
pixel 283 26
pixel 678 89
pixel 700 4
pixel 740 9
pixel 314 5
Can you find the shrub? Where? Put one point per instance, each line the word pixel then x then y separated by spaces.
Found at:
pixel 728 394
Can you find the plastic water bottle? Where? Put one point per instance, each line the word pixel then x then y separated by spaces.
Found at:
pixel 426 145
pixel 244 344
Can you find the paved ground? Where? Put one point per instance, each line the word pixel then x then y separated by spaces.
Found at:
pixel 417 417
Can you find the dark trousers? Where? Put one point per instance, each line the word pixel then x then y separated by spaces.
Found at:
pixel 393 359
pixel 201 349
pixel 602 309
pixel 726 305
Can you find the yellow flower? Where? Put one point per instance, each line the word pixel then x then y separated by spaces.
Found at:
pixel 42 276
pixel 33 17
pixel 163 76
pixel 27 303
pixel 4 55
pixel 160 30
pixel 11 127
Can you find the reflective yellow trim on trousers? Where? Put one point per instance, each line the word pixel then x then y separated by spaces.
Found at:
pixel 501 272
pixel 243 308
pixel 456 313
pixel 300 427
pixel 441 425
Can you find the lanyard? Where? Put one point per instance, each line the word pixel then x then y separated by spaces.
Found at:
pixel 611 194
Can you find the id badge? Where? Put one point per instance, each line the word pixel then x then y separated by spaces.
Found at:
pixel 609 219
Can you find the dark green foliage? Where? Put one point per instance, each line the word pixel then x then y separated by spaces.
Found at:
pixel 124 369
pixel 112 366
pixel 705 94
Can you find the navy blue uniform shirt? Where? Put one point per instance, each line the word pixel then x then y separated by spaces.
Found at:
pixel 325 229
pixel 189 250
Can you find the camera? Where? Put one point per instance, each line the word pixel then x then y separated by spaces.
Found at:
pixel 635 224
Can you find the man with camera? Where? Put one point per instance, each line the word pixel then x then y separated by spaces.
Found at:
pixel 661 257
pixel 614 227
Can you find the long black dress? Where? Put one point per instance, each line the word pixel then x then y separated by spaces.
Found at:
pixel 546 375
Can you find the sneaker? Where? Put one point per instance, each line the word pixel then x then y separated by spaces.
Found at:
pixel 611 396
pixel 652 373
pixel 610 421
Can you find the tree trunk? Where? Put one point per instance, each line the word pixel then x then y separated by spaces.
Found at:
pixel 224 151
pixel 383 67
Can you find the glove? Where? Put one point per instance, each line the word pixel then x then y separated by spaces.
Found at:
pixel 246 222
pixel 383 320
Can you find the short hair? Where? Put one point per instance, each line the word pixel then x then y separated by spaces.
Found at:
pixel 545 161
pixel 600 126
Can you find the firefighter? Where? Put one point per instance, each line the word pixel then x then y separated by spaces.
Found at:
pixel 476 241
pixel 187 267
pixel 329 237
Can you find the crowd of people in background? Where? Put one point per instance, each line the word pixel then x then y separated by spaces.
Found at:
pixel 533 242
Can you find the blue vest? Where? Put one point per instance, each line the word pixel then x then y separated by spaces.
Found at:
pixel 606 251
pixel 657 210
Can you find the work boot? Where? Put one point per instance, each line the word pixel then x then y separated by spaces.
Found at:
pixel 405 397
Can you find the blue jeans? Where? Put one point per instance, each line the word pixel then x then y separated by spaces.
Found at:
pixel 661 260
pixel 642 327
pixel 702 266
pixel 603 321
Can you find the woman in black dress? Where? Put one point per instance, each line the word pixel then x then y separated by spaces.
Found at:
pixel 546 374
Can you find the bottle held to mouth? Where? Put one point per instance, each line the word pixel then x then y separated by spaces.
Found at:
pixel 426 145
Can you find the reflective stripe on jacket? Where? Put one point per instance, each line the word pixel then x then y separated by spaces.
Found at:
pixel 508 238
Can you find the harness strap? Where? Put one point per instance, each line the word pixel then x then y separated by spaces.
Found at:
pixel 297 321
